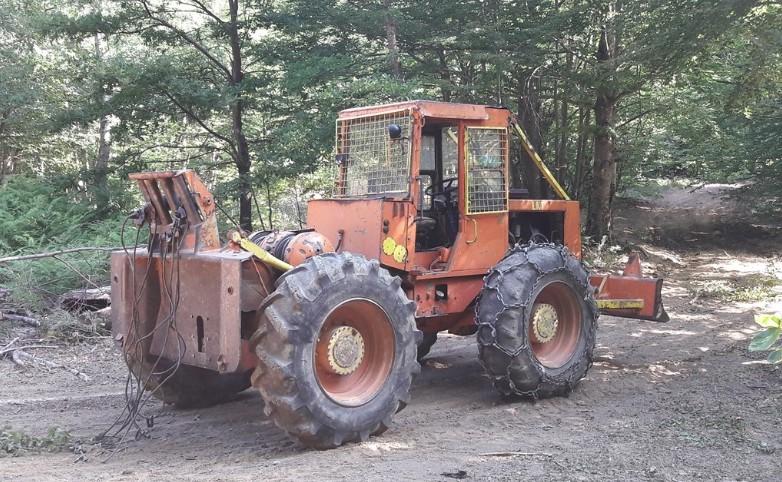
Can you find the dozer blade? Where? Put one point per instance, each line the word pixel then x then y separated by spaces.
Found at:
pixel 630 295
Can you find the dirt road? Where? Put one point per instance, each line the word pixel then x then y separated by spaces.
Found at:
pixel 676 401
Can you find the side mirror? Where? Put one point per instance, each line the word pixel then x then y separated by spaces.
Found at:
pixel 394 131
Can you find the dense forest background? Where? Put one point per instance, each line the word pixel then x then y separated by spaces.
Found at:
pixel 613 94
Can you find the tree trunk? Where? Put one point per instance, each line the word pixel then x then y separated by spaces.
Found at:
pixel 269 205
pixel 582 160
pixel 101 165
pixel 561 160
pixel 562 143
pixel 5 154
pixel 604 168
pixel 241 152
pixel 529 116
pixel 393 48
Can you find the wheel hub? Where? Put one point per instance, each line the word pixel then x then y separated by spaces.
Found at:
pixel 346 350
pixel 544 322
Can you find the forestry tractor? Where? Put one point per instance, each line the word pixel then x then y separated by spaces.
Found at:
pixel 423 233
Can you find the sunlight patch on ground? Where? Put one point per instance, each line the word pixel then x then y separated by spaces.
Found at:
pixel 660 370
pixel 670 332
pixel 377 448
pixel 739 265
pixel 735 335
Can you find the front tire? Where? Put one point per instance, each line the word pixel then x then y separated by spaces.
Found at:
pixel 537 319
pixel 337 350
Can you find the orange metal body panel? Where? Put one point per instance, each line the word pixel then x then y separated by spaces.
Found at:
pixel 612 287
pixel 357 222
pixel 461 292
pixel 364 225
pixel 468 253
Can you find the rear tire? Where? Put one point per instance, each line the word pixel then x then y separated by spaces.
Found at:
pixel 428 340
pixel 537 319
pixel 336 346
pixel 188 386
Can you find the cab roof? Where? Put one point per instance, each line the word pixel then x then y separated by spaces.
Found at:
pixel 427 108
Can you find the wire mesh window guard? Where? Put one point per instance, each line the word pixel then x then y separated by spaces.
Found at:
pixel 486 162
pixel 369 161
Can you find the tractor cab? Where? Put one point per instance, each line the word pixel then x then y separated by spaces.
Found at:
pixel 423 181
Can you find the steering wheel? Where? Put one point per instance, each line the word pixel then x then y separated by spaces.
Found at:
pixel 447 184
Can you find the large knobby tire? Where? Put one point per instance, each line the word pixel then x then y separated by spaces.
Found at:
pixel 537 319
pixel 188 386
pixel 317 384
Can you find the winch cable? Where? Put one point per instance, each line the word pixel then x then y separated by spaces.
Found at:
pixel 136 395
pixel 126 419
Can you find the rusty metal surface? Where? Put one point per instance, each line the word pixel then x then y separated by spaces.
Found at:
pixel 192 304
pixel 305 245
pixel 459 291
pixel 180 197
pixel 205 328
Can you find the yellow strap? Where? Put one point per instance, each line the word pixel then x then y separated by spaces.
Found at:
pixel 539 162
pixel 260 253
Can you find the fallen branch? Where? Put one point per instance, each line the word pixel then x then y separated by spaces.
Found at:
pixel 48 254
pixel 24 319
pixel 660 253
pixel 9 350
pixel 11 342
pixel 21 357
pixel 516 454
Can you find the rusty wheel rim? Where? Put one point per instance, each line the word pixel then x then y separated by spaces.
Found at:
pixel 354 352
pixel 554 340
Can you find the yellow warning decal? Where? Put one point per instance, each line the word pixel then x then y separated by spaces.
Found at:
pixel 400 253
pixel 389 245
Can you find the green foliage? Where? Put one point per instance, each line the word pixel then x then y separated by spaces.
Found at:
pixel 766 339
pixel 45 214
pixel 13 442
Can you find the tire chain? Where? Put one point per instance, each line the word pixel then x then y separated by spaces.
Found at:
pixel 524 249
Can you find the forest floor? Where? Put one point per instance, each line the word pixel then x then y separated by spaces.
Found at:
pixel 682 400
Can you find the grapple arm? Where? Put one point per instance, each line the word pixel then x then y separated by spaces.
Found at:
pixel 173 196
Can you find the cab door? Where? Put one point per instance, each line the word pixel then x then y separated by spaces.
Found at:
pixel 483 199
